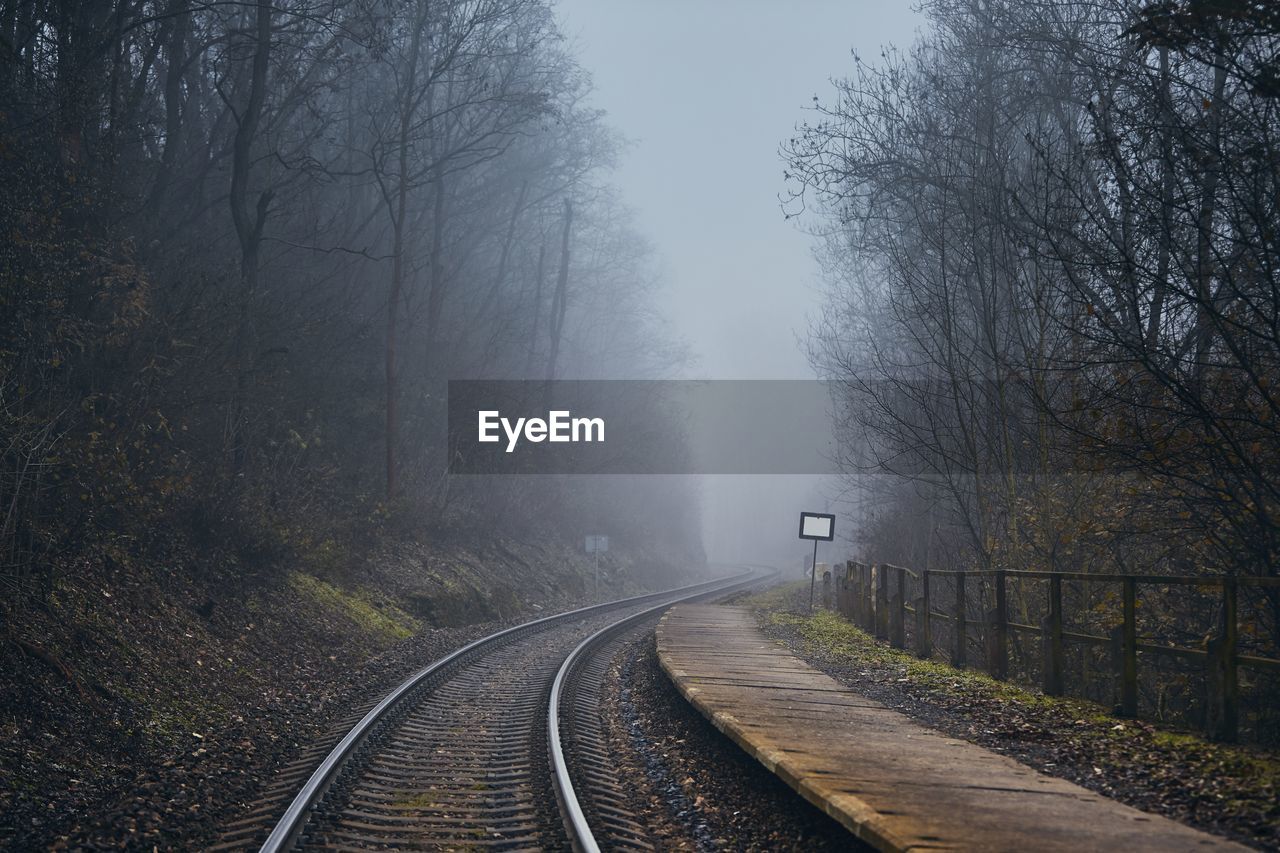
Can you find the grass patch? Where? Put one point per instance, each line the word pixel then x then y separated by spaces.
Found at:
pixel 174 720
pixel 382 619
pixel 425 800
pixel 775 598
pixel 828 634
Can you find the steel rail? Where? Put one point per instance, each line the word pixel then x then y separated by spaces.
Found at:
pixel 289 828
pixel 579 828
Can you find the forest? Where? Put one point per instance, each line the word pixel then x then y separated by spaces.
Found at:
pixel 1053 313
pixel 245 245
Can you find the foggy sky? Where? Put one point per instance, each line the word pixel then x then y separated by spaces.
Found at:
pixel 705 90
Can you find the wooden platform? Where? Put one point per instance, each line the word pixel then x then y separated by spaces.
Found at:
pixel 892 782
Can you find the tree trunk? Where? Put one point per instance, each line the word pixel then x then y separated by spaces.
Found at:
pixel 1204 229
pixel 175 61
pixel 435 263
pixel 248 224
pixel 408 108
pixel 537 299
pixel 559 301
pixel 1161 286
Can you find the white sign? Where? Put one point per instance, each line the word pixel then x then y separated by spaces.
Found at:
pixel 817 525
pixel 597 544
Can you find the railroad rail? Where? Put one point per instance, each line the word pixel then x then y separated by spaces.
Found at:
pixel 496 744
pixel 592 799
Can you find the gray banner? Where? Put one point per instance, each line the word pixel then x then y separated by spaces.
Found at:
pixel 640 427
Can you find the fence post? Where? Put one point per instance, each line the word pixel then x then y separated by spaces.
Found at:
pixel 840 576
pixel 1129 650
pixel 868 602
pixel 847 591
pixel 924 635
pixel 855 594
pixel 1052 641
pixel 1224 688
pixel 898 636
pixel 959 655
pixel 998 642
pixel 864 597
pixel 1231 683
pixel 1115 647
pixel 882 601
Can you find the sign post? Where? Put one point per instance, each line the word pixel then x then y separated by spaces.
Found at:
pixel 820 527
pixel 596 544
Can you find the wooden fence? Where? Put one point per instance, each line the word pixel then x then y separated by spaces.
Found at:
pixel 891 601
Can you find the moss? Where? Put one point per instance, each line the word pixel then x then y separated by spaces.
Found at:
pixel 453 602
pixel 173 719
pixel 832 635
pixel 382 619
pixel 327 557
pixel 425 800
pixel 829 634
pixel 1241 761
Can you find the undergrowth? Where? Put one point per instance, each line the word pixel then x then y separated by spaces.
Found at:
pixel 379 618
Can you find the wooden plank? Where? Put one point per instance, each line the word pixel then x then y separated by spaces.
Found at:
pixel 1108 577
pixel 892 782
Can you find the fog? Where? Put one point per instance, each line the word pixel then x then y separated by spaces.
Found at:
pixel 328 324
pixel 705 92
pixel 253 245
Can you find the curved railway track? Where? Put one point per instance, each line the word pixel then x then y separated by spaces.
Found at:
pixel 498 744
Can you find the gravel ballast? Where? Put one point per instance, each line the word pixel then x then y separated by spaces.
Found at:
pixel 694 788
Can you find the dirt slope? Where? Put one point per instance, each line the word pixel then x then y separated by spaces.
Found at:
pixel 143 709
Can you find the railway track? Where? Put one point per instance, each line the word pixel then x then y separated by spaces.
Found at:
pixel 498 745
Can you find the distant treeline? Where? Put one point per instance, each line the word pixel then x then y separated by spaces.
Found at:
pixel 243 246
pixel 1051 237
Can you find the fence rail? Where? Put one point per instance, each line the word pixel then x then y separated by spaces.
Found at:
pixel 876 598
